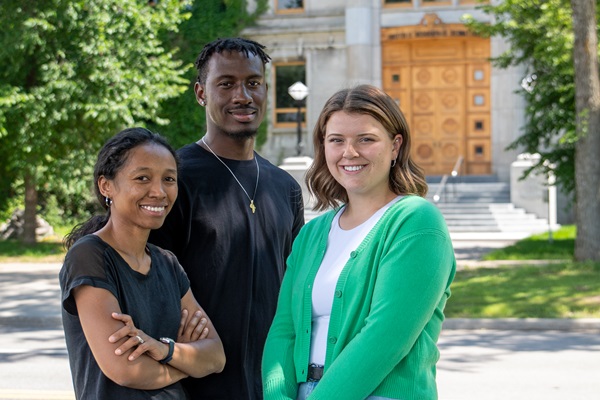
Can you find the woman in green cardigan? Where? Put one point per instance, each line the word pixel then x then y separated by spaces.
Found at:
pixel 361 304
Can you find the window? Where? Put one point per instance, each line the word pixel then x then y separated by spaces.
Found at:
pixel 478 75
pixel 286 6
pixel 429 3
pixel 435 2
pixel 286 108
pixel 404 3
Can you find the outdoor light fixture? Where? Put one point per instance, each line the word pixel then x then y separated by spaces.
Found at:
pixel 298 91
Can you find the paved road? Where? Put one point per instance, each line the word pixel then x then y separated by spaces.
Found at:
pixel 527 365
pixel 508 359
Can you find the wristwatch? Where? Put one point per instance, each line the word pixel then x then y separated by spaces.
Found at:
pixel 171 344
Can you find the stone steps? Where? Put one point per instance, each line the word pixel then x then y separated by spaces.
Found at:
pixel 479 208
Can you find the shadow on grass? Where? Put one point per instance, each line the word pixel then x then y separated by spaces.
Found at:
pixel 564 290
pixel 535 249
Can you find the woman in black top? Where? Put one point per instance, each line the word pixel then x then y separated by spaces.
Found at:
pixel 132 326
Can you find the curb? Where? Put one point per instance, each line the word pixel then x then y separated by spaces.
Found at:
pixel 524 324
pixel 19 321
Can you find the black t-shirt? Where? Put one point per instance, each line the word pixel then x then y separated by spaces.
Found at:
pixel 153 301
pixel 235 259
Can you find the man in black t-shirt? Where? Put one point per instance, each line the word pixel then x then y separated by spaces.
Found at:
pixel 235 218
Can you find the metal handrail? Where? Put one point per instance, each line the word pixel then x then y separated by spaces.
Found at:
pixel 442 187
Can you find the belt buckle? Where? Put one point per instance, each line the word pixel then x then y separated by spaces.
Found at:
pixel 315 373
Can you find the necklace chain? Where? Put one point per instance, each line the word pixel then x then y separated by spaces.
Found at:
pixel 252 206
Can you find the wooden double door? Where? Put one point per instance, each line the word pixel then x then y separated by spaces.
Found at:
pixel 443 88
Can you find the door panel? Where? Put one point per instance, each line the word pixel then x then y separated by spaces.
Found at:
pixel 443 88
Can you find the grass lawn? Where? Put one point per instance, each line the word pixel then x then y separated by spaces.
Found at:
pixel 560 246
pixel 45 251
pixel 563 290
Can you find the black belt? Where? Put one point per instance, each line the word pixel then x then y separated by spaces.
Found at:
pixel 315 372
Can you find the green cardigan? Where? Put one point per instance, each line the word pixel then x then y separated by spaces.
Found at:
pixel 387 311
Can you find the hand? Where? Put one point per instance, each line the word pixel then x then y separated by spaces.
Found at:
pixel 192 330
pixel 152 347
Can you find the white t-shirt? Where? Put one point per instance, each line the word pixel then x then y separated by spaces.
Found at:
pixel 339 246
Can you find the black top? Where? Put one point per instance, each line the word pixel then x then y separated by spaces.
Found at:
pixel 235 259
pixel 153 301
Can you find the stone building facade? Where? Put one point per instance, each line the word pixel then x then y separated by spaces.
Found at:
pixel 419 51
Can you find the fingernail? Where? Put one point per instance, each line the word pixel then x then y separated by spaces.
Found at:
pixel 118 352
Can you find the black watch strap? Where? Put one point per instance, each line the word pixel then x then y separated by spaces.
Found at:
pixel 171 344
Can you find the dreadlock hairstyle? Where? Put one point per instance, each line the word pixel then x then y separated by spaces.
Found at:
pixel 239 45
pixel 111 159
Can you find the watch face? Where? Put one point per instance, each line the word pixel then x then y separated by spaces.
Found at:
pixel 166 340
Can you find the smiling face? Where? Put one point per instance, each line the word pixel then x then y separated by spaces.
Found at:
pixel 144 189
pixel 359 152
pixel 234 94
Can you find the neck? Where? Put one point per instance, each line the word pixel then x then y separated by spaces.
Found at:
pixel 130 244
pixel 225 146
pixel 361 208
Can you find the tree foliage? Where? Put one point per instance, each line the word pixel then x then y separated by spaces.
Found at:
pixel 557 42
pixel 73 74
pixel 540 34
pixel 210 19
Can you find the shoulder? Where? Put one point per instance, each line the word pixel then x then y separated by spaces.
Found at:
pixel 277 173
pixel 87 247
pixel 189 150
pixel 416 205
pixel 192 158
pixel 85 262
pixel 163 255
pixel 414 213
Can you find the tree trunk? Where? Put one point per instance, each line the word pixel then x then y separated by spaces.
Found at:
pixel 587 150
pixel 29 216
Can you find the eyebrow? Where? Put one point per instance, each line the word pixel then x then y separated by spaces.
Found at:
pixel 144 169
pixel 229 76
pixel 342 134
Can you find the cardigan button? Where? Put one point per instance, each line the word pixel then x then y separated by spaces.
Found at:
pixel 353 254
pixel 338 293
pixel 332 340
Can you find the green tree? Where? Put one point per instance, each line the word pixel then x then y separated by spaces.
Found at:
pixel 74 72
pixel 210 20
pixel 541 38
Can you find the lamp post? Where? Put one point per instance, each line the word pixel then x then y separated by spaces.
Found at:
pixel 298 91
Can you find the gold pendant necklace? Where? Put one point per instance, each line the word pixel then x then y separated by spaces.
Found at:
pixel 252 206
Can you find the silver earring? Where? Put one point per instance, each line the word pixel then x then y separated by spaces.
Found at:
pixel 393 163
pixel 108 202
pixel 202 103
